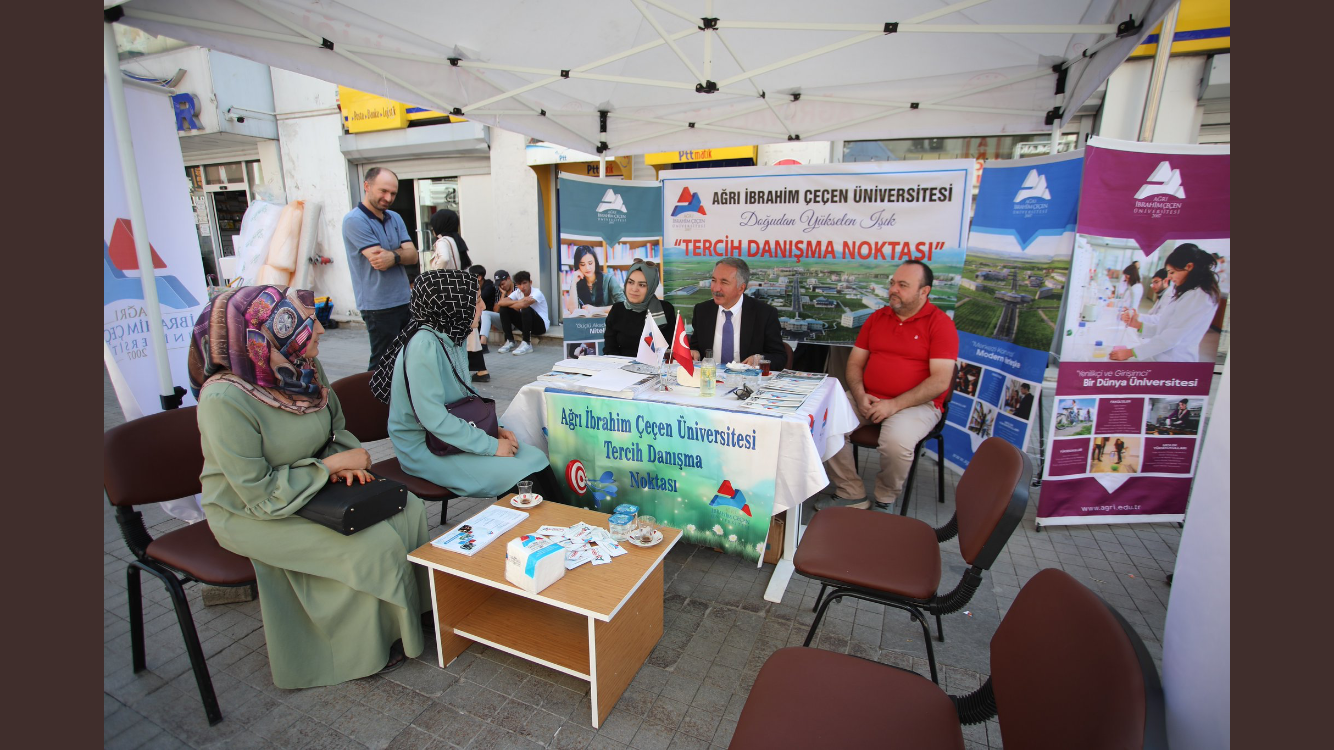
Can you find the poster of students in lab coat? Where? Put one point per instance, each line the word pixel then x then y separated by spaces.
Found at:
pixel 1133 344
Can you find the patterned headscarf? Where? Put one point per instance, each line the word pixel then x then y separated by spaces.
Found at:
pixel 651 301
pixel 445 300
pixel 255 338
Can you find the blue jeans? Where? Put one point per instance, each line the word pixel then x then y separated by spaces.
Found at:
pixel 383 327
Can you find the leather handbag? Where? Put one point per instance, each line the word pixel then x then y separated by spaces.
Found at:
pixel 348 509
pixel 475 410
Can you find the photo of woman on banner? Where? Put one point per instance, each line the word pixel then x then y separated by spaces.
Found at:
pixel 591 290
pixel 625 321
pixel 1175 332
pixel 1132 291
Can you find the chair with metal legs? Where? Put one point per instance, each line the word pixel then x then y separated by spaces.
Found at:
pixel 1067 671
pixel 367 417
pixel 151 460
pixel 868 436
pixel 895 561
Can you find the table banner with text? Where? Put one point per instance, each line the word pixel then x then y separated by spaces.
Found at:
pixel 821 240
pixel 1014 279
pixel 710 474
pixel 1137 353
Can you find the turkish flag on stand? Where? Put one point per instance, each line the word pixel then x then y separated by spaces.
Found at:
pixel 681 347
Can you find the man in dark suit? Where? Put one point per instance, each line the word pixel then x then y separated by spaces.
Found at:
pixel 1025 403
pixel 734 326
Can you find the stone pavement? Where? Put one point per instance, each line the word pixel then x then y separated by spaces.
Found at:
pixel 718 632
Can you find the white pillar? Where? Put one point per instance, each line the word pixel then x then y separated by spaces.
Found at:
pixel 1197 666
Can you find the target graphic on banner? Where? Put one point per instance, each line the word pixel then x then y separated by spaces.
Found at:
pixel 575 477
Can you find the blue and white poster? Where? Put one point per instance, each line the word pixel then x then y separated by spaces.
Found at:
pixel 1015 274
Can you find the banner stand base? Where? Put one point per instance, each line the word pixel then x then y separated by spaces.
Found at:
pixel 1176 518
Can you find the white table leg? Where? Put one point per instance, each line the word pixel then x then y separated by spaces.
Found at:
pixel 783 569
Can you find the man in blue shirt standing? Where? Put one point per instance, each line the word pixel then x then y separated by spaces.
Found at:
pixel 378 247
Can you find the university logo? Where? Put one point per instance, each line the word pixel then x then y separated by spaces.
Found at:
pixel 120 273
pixel 1163 181
pixel 689 203
pixel 611 202
pixel 730 497
pixel 1035 186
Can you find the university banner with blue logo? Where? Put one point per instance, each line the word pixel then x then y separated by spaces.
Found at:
pixel 177 266
pixel 710 474
pixel 1009 307
pixel 613 222
pixel 822 241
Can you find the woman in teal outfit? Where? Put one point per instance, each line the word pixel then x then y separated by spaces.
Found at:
pixel 335 607
pixel 445 305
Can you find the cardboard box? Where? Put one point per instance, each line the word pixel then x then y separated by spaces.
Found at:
pixel 533 563
pixel 773 548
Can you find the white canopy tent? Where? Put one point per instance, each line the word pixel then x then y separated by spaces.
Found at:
pixel 620 77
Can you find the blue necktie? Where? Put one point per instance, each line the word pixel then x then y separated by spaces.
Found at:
pixel 727 338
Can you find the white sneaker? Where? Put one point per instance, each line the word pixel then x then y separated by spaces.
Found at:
pixel 509 346
pixel 524 348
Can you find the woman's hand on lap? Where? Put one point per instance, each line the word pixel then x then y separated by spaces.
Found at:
pixel 347 475
pixel 349 460
pixel 507 447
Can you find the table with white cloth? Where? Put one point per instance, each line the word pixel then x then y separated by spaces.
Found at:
pixel 806 439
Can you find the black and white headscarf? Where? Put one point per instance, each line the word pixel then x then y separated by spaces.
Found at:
pixel 444 300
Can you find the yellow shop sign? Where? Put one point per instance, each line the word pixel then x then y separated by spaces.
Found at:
pixel 706 154
pixel 365 113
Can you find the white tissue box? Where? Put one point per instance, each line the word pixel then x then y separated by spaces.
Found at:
pixel 533 563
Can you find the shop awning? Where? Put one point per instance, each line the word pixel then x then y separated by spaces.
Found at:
pixel 683 75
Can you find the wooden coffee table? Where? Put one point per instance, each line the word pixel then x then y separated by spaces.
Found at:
pixel 598 623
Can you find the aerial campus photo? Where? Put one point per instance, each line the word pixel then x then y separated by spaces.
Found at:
pixel 1011 297
pixel 820 301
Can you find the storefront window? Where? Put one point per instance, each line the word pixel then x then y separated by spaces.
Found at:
pixel 224 174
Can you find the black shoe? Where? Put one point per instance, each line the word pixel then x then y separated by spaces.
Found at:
pixel 485 349
pixel 481 378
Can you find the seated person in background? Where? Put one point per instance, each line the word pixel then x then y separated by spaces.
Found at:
pixel 625 321
pixel 526 309
pixel 734 326
pixel 489 297
pixel 898 373
pixel 591 290
pixel 335 607
pixel 429 356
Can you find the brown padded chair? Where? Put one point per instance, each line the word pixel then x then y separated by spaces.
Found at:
pixel 868 436
pixel 895 561
pixel 150 460
pixel 367 417
pixel 1067 671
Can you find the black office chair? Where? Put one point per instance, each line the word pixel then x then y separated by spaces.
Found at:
pixel 895 561
pixel 151 460
pixel 868 436
pixel 1067 671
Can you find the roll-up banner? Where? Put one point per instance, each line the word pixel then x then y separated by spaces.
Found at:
pixel 711 474
pixel 1014 280
pixel 177 265
pixel 605 225
pixel 821 240
pixel 1137 357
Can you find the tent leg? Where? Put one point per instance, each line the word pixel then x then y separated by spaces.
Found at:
pixel 138 224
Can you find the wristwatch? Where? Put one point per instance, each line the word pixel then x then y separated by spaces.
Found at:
pixel 397 259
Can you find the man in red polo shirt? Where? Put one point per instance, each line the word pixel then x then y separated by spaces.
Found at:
pixel 898 373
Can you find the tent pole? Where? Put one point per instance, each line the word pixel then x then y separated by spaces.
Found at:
pixel 602 165
pixel 1154 99
pixel 138 224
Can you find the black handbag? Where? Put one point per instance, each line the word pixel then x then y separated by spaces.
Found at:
pixel 475 410
pixel 348 509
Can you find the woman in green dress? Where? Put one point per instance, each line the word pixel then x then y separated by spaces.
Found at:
pixel 444 306
pixel 334 607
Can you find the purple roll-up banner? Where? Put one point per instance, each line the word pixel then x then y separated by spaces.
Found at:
pixel 1138 355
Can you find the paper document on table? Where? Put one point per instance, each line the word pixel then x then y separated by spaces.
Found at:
pixel 616 384
pixel 592 364
pixel 475 533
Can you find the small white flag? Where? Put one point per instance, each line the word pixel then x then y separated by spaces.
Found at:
pixel 651 343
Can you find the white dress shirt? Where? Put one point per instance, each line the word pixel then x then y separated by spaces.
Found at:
pixel 1174 334
pixel 736 332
